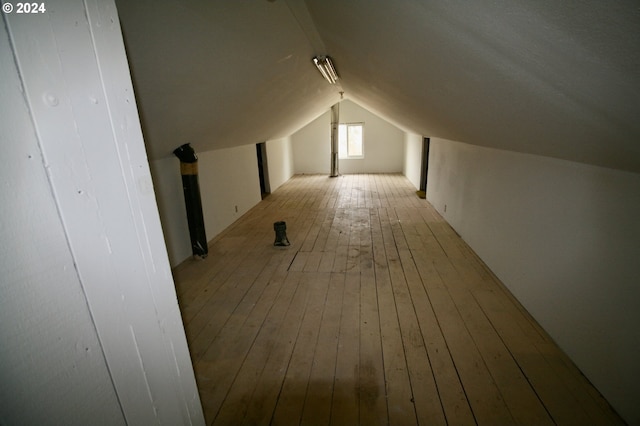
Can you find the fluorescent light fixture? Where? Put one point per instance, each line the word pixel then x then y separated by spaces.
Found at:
pixel 326 68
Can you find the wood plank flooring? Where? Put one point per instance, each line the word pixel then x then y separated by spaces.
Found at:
pixel 377 313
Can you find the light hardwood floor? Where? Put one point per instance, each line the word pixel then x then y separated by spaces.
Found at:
pixel 377 313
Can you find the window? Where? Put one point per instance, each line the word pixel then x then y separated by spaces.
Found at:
pixel 351 140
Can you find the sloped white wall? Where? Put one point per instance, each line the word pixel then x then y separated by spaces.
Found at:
pixel 383 144
pixel 563 237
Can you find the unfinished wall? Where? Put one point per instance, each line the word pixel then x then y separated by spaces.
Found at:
pixel 383 144
pixel 563 237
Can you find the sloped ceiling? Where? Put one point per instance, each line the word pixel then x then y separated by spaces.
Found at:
pixel 220 73
pixel 560 79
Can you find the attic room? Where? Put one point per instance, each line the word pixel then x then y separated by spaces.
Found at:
pixel 533 174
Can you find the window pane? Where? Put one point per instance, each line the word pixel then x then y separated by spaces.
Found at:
pixel 354 138
pixel 342 141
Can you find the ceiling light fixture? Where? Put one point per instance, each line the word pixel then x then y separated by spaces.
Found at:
pixel 326 68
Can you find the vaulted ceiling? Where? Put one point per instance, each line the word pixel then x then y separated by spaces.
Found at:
pixel 560 79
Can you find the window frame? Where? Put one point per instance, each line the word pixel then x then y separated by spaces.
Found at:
pixel 343 154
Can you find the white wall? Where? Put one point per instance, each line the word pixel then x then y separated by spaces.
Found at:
pixel 311 146
pixel 280 161
pixel 229 186
pixel 89 322
pixel 413 158
pixel 563 237
pixel 383 144
pixel 228 179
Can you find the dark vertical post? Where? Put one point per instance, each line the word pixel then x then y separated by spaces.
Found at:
pixel 263 169
pixel 424 168
pixel 191 187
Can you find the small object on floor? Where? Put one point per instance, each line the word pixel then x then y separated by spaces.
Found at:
pixel 281 234
pixel 421 194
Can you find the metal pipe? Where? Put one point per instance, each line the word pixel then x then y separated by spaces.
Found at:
pixel 191 187
pixel 335 122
